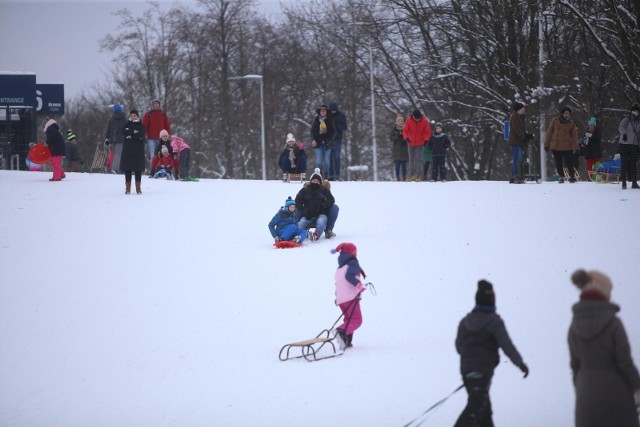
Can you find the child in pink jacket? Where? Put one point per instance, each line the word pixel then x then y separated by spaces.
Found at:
pixel 348 290
pixel 182 151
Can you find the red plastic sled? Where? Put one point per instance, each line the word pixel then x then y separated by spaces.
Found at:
pixel 285 244
pixel 39 153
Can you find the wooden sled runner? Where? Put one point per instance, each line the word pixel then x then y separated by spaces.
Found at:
pixel 310 349
pixel 294 177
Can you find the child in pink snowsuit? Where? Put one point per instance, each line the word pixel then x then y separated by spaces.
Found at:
pixel 348 290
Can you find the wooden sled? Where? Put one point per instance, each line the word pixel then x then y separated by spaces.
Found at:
pixel 604 177
pixel 99 158
pixel 567 176
pixel 294 177
pixel 310 348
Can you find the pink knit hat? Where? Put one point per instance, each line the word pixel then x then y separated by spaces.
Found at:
pixel 163 133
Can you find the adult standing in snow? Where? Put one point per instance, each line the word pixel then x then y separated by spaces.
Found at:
pixel 340 126
pixel 55 142
pixel 606 381
pixel 322 132
pixel 114 135
pixel 133 152
pixel 590 144
pixel 562 139
pixel 480 334
pixel 315 203
pixel 416 132
pixel 630 147
pixel 348 289
pixel 518 138
pixel 154 121
pixel 399 149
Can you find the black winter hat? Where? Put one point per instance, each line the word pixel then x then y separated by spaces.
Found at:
pixel 134 112
pixel 416 114
pixel 635 107
pixel 485 295
pixel 565 109
pixel 517 105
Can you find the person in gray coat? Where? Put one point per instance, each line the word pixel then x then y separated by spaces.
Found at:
pixel 480 334
pixel 114 135
pixel 605 379
pixel 630 147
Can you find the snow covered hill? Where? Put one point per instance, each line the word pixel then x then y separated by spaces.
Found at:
pixel 170 308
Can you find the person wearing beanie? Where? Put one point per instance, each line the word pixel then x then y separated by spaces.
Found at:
pixel 162 164
pixel 322 133
pixel 349 286
pixel 55 142
pixel 399 148
pixel 284 224
pixel 317 207
pixel 416 133
pixel 293 159
pixel 605 379
pixel 518 138
pixel 590 145
pixel 72 161
pixel 340 126
pixel 481 334
pixel 114 137
pixel 438 145
pixel 629 129
pixel 562 140
pixel 165 142
pixel 132 161
pixel 155 120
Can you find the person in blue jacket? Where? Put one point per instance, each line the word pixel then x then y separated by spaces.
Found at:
pixel 284 224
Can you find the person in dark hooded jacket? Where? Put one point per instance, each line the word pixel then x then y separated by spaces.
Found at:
pixel 480 334
pixel 55 142
pixel 114 135
pixel 315 202
pixel 133 161
pixel 605 379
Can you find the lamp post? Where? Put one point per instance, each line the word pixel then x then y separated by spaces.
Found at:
pixel 264 155
pixel 373 117
pixel 543 157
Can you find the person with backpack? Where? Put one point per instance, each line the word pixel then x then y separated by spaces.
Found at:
pixel 154 121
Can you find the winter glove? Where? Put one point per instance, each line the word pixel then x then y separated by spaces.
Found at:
pixel 525 370
pixel 276 239
pixel 407 140
pixel 360 287
pixel 546 148
pixel 106 141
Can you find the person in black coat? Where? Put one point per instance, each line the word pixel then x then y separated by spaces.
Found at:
pixel 314 201
pixel 480 334
pixel 55 142
pixel 133 160
pixel 439 144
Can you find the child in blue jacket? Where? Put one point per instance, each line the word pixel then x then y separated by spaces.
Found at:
pixel 284 224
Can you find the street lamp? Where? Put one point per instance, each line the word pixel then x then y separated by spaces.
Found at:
pixel 264 155
pixel 543 157
pixel 373 117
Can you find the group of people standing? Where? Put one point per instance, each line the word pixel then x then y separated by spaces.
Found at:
pixel 415 144
pixel 126 138
pixel 562 141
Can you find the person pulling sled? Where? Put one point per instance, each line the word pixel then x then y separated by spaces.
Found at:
pixel 348 289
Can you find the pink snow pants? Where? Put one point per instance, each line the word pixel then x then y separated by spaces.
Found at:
pixel 352 316
pixel 56 165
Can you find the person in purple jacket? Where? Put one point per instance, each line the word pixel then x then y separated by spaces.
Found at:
pixel 480 334
pixel 348 289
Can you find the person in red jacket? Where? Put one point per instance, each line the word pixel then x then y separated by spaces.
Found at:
pixel 416 133
pixel 154 121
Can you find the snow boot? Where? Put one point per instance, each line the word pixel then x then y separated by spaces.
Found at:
pixel 127 187
pixel 138 185
pixel 634 184
pixel 624 185
pixel 349 342
pixel 329 233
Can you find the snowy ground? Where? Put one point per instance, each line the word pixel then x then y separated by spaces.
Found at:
pixel 170 308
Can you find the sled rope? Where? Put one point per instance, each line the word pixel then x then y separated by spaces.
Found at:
pixel 435 405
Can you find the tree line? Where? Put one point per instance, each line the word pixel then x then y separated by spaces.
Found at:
pixel 462 62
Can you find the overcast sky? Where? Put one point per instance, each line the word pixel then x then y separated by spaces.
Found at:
pixel 59 40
